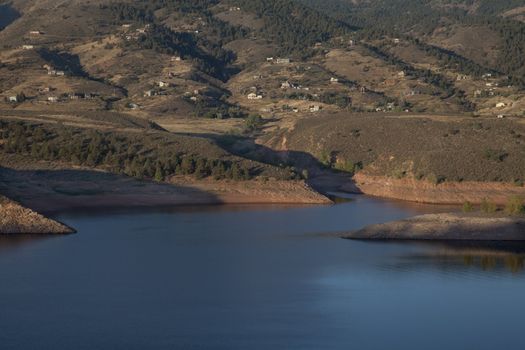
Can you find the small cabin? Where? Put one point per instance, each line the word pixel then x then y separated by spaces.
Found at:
pixel 282 61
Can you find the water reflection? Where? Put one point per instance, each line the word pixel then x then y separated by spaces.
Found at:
pixel 10 242
pixel 484 256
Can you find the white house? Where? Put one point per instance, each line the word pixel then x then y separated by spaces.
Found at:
pixel 28 47
pixel 254 96
pixel 334 80
pixel 501 104
pixel 282 61
pixel 163 84
pixel 13 99
pixel 52 99
pixel 315 108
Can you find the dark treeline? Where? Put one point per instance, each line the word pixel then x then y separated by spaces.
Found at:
pixel 395 18
pixel 446 86
pixel 141 156
pixel 209 54
pixel 295 28
pixel 339 99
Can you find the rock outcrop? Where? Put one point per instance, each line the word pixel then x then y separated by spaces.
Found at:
pixel 16 219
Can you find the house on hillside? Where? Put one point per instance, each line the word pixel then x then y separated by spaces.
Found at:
pixel 28 47
pixel 35 32
pixel 163 84
pixel 501 104
pixel 401 74
pixel 52 99
pixel 334 80
pixel 397 41
pixel 282 61
pixel 269 59
pixel 288 85
pixel 315 108
pixel 254 96
pixel 462 77
pixel 13 99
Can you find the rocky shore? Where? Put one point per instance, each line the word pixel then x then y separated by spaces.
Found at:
pixel 16 219
pixel 450 226
pixel 410 189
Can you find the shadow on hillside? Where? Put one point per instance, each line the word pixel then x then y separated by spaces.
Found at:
pixel 49 191
pixel 8 16
pixel 320 177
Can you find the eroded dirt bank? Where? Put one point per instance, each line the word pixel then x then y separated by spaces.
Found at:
pixel 15 219
pixel 425 192
pixel 451 226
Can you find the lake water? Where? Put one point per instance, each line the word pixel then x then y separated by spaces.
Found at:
pixel 255 278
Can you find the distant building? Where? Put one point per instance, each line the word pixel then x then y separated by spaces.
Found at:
pixel 401 74
pixel 35 32
pixel 28 47
pixel 334 80
pixel 289 85
pixel 149 93
pixel 52 99
pixel 315 108
pixel 175 59
pixel 397 41
pixel 501 104
pixel 58 73
pixel 269 59
pixel 254 96
pixel 163 84
pixel 13 99
pixel 462 77
pixel 501 116
pixel 282 61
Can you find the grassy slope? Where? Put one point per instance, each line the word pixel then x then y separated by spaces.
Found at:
pixel 437 149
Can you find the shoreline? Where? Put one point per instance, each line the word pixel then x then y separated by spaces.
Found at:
pixel 446 227
pixel 16 219
pixel 420 191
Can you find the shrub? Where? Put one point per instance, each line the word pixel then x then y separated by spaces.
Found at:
pixel 515 206
pixel 467 207
pixel 488 206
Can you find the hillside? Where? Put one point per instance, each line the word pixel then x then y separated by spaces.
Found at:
pixel 214 90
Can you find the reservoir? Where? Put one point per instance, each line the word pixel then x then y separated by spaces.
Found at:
pixel 255 277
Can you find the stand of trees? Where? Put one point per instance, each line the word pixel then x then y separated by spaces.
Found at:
pixel 149 157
